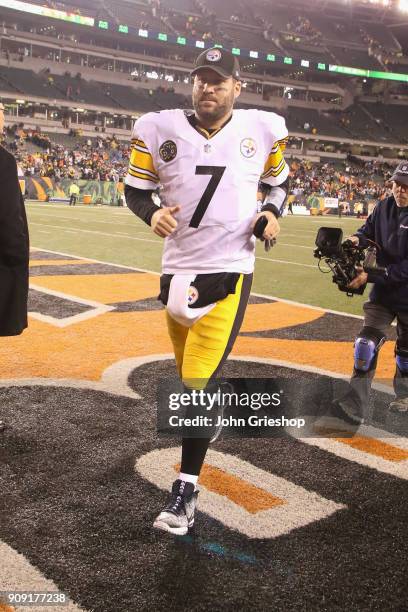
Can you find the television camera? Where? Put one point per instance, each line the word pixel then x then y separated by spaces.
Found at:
pixel 345 259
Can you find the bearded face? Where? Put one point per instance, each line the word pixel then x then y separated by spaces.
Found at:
pixel 213 96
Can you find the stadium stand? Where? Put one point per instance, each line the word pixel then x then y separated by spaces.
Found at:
pixel 323 124
pixel 79 90
pixel 353 122
pixel 337 30
pixel 137 16
pixel 362 125
pixel 314 109
pixel 348 56
pixel 381 36
pixel 392 117
pixel 26 81
pixel 184 6
pixel 128 98
pixel 5 84
pixel 247 39
pixel 59 156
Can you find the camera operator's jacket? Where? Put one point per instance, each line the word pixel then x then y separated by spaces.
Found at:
pixel 387 226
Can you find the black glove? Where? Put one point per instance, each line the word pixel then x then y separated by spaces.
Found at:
pixel 259 229
pixel 348 244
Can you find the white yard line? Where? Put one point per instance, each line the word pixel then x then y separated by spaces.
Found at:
pixel 64 229
pixel 99 261
pixel 292 263
pixel 100 209
pixel 289 263
pixel 79 219
pixel 262 295
pixel 319 308
pixel 295 246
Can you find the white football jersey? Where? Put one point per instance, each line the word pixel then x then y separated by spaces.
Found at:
pixel 214 178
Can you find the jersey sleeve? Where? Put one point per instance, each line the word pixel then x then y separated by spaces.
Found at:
pixel 142 173
pixel 276 170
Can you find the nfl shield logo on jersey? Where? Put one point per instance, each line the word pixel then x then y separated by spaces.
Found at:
pixel 248 147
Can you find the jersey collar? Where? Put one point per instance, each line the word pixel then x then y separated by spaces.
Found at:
pixel 207 134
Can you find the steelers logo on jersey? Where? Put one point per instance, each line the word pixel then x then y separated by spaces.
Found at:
pixel 192 295
pixel 168 150
pixel 213 55
pixel 248 147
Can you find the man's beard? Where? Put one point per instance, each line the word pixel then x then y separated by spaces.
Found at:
pixel 219 110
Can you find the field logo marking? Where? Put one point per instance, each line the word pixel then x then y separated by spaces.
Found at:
pixel 17 574
pixel 241 496
pixel 96 308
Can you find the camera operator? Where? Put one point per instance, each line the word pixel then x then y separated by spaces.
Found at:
pixel 387 229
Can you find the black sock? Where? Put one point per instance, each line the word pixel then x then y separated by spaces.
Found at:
pixel 193 454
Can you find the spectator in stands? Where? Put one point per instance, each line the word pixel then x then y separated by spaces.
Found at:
pixel 14 248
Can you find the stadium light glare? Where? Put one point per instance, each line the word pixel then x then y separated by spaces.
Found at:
pixel 45 11
pixel 26 7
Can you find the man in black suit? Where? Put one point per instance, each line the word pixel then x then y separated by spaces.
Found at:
pixel 14 248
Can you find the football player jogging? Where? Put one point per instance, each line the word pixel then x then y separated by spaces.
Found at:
pixel 208 164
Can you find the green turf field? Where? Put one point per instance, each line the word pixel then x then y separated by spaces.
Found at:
pixel 115 235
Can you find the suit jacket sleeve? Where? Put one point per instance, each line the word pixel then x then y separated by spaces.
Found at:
pixel 14 250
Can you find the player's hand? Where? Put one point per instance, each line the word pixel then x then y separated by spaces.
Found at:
pixel 272 229
pixel 359 280
pixel 163 222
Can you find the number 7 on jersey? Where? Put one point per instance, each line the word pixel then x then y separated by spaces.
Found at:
pixel 216 173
